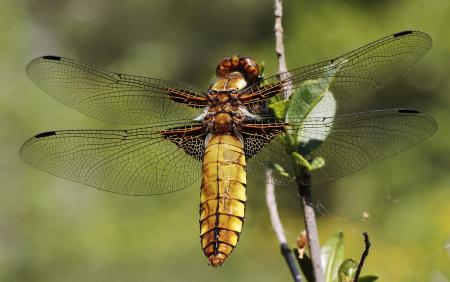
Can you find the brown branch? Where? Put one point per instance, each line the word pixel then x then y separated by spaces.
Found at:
pixel 279 47
pixel 304 183
pixel 273 210
pixel 278 227
pixel 363 256
pixel 270 187
pixel 304 188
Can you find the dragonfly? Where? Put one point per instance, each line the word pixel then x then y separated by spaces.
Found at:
pixel 182 135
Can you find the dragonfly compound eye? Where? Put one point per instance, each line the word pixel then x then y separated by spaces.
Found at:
pixel 246 66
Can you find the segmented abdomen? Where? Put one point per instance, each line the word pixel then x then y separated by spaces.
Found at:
pixel 223 196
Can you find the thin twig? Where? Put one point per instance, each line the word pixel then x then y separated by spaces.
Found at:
pixel 278 227
pixel 303 181
pixel 279 47
pixel 270 187
pixel 305 192
pixel 363 256
pixel 304 187
pixel 273 210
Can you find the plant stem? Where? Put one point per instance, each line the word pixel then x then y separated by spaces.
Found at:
pixel 278 227
pixel 363 256
pixel 270 187
pixel 304 187
pixel 304 183
pixel 279 45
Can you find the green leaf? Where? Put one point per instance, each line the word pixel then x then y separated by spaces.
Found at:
pixel 303 101
pixel 317 163
pixel 326 107
pixel 368 278
pixel 301 161
pixel 305 264
pixel 313 99
pixel 278 168
pixel 311 102
pixel 262 68
pixel 332 256
pixel 279 108
pixel 347 270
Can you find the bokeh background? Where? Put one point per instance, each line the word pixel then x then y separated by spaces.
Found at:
pixel 55 230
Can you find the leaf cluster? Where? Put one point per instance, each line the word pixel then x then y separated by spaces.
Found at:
pixel 336 267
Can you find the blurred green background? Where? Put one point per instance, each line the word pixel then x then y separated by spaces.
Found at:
pixel 55 230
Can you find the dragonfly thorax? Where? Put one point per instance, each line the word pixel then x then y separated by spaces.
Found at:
pixel 225 114
pixel 233 82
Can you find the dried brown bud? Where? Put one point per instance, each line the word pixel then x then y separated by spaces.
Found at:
pixel 302 243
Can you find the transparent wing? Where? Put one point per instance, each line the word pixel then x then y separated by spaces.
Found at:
pixel 133 162
pixel 343 144
pixel 354 75
pixel 114 97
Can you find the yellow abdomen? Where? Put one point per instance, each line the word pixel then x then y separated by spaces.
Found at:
pixel 223 196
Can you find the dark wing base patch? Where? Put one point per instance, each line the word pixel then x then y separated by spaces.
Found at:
pixel 190 139
pixel 256 135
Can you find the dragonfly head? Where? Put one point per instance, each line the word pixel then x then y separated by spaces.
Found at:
pixel 247 67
